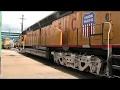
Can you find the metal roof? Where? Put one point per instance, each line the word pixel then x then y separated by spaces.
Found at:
pixel 10 35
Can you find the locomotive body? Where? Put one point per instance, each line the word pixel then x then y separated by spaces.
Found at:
pixel 83 40
pixel 6 44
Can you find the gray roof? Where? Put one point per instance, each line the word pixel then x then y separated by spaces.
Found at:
pixel 12 35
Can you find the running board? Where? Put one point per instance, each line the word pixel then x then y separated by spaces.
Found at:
pixel 116 56
pixel 116 67
pixel 114 76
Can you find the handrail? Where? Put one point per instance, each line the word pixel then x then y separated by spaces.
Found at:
pixel 108 38
pixel 109 58
pixel 96 34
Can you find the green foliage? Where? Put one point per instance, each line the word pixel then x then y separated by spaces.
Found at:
pixel 0 31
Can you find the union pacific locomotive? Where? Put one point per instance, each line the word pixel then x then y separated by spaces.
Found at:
pixel 84 40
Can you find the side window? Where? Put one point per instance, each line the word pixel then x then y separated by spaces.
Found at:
pixel 107 17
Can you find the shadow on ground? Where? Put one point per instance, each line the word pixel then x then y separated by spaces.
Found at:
pixel 73 72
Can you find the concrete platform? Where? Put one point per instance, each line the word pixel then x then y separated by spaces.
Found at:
pixel 18 66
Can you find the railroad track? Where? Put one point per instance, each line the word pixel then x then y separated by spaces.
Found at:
pixel 68 70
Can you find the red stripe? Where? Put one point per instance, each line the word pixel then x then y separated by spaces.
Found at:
pixel 81 46
pixel 100 46
pixel 110 46
pixel 116 46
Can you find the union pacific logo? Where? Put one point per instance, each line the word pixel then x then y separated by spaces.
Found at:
pixel 89 18
pixel 88 24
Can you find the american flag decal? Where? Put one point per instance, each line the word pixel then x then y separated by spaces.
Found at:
pixel 88 24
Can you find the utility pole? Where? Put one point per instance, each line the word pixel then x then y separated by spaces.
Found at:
pixel 22 28
pixel 22 23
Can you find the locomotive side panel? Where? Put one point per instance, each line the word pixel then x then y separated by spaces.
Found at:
pixel 68 24
pixel 79 27
pixel 115 27
pixel 57 36
pixel 40 36
pixel 99 19
pixel 27 37
pixel 53 37
pixel 91 24
pixel 48 35
pixel 60 24
pixel 72 34
pixel 106 17
pixel 25 43
pixel 96 29
pixel 37 37
pixel 43 36
pixel 76 29
pixel 36 34
pixel 33 38
pixel 65 28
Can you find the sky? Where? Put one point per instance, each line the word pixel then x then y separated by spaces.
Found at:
pixel 12 18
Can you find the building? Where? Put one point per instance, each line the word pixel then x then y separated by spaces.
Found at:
pixel 11 35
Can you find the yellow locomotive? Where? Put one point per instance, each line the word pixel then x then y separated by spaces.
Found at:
pixel 83 40
pixel 6 44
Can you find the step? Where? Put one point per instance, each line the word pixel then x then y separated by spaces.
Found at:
pixel 116 76
pixel 116 67
pixel 116 56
